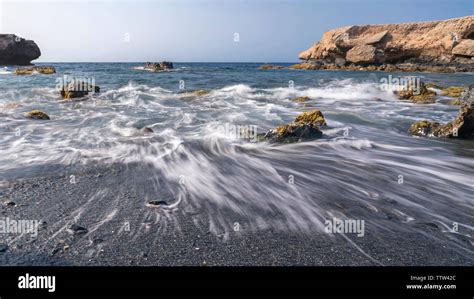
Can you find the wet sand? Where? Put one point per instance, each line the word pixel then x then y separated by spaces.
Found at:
pixel 110 203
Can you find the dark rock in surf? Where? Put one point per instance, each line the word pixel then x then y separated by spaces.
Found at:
pixel 158 67
pixel 461 127
pixel 78 89
pixel 15 50
pixel 147 130
pixel 300 99
pixel 305 127
pixel 37 114
pixel 77 229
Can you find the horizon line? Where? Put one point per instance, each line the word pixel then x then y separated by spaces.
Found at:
pixel 165 60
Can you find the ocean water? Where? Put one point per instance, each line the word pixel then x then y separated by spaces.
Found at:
pixel 366 165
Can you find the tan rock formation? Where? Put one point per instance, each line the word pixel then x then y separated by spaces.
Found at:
pixel 445 43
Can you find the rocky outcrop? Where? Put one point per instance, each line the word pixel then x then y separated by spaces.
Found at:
pixel 45 70
pixel 424 46
pixel 418 94
pixel 461 127
pixel 301 99
pixel 78 89
pixel 158 67
pixel 305 127
pixel 270 67
pixel 15 50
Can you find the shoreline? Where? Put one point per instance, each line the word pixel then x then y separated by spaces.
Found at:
pixel 178 240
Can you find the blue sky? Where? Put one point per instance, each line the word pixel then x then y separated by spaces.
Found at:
pixel 200 30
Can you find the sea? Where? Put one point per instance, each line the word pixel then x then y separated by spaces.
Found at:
pixel 365 159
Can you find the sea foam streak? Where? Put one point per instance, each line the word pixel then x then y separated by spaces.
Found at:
pixel 227 180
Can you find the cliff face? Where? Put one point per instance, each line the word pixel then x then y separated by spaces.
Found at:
pixel 439 42
pixel 17 51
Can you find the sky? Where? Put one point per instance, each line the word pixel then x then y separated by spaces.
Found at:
pixel 200 30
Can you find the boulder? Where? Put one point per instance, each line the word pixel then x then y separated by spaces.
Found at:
pixel 147 130
pixel 423 128
pixel 15 50
pixel 78 89
pixel 293 133
pixel 362 54
pixel 314 117
pixel 305 127
pixel 461 127
pixel 158 67
pixel 464 48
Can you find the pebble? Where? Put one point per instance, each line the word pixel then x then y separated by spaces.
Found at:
pixel 10 204
pixel 3 247
pixel 77 229
pixel 156 203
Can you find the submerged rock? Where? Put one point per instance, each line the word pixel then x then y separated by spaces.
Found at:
pixel 13 105
pixel 270 67
pixel 201 92
pixel 37 114
pixel 147 130
pixel 78 89
pixel 305 127
pixel 305 66
pixel 455 102
pixel 15 50
pixel 424 128
pixel 158 67
pixel 461 127
pixel 433 85
pixel 45 70
pixel 300 99
pixel 453 91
